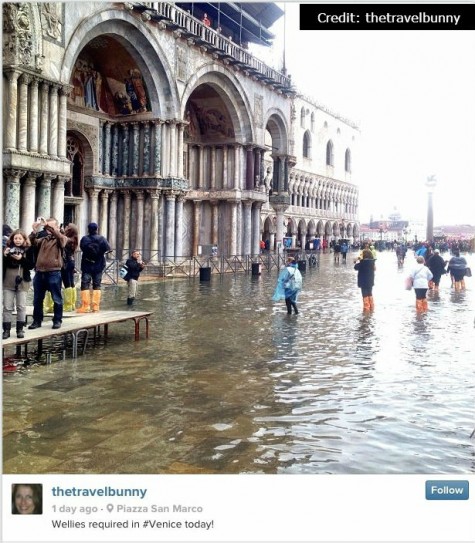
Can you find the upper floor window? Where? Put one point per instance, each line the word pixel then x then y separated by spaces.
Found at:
pixel 307 145
pixel 312 122
pixel 348 161
pixel 330 157
pixel 302 117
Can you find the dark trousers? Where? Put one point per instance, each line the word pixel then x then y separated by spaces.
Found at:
pixel 42 282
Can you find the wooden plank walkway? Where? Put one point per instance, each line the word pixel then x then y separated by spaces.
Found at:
pixel 75 324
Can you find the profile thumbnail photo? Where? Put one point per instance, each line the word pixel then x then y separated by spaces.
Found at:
pixel 27 499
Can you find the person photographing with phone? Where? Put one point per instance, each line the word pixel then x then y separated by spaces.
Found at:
pixel 49 243
pixel 134 265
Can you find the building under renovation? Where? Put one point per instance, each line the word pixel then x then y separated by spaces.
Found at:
pixel 156 121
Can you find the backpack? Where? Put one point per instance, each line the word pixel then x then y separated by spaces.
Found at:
pixel 92 252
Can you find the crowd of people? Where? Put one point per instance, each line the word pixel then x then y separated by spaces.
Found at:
pixel 46 260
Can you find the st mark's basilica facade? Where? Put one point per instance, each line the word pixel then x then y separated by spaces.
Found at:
pixel 166 130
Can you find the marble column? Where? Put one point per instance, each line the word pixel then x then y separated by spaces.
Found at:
pixel 135 150
pixel 196 225
pixel 146 148
pixel 126 223
pixel 113 221
pixel 44 197
pixel 157 149
pixel 33 125
pixel 256 228
pixel 11 120
pixel 125 149
pixel 173 150
pixel 62 138
pixel 233 239
pixel 139 195
pixel 247 227
pixel 58 198
pixel 28 199
pixel 44 115
pixel 249 168
pixel 237 166
pixel 106 170
pixel 212 173
pixel 93 204
pixel 279 223
pixel 12 198
pixel 163 149
pixel 154 248
pixel 104 214
pixel 179 226
pixel 170 225
pixel 225 167
pixel 180 151
pixel 214 221
pixel 53 122
pixel 24 81
pixel 200 167
pixel 115 149
pixel 257 168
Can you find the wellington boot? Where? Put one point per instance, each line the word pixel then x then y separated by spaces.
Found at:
pixel 419 306
pixel 431 285
pixel 425 305
pixel 85 302
pixel 68 299
pixel 48 304
pixel 371 303
pixel 458 285
pixel 96 300
pixel 19 329
pixel 366 304
pixel 7 326
pixel 462 284
pixel 74 297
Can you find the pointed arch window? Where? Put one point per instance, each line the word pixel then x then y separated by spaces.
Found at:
pixel 330 156
pixel 312 122
pixel 302 117
pixel 348 161
pixel 307 145
pixel 75 186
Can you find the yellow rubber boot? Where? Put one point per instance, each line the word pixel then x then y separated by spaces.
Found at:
pixel 68 300
pixel 48 304
pixel 74 294
pixel 419 306
pixel 85 302
pixel 366 304
pixel 96 300
pixel 371 302
pixel 425 305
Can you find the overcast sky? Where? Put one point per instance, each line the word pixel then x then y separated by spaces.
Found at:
pixel 412 94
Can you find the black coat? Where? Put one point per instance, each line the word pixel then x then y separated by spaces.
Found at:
pixel 436 265
pixel 365 270
pixel 134 269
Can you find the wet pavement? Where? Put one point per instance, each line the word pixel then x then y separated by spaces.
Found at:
pixel 229 383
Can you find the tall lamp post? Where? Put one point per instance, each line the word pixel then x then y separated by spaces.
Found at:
pixel 430 184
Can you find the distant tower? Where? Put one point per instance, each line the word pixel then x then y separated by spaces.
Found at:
pixel 430 184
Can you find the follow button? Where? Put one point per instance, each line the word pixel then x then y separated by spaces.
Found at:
pixel 446 490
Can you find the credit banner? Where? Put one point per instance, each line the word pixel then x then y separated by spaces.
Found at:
pixel 387 17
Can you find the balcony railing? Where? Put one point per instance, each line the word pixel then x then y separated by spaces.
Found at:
pixel 230 52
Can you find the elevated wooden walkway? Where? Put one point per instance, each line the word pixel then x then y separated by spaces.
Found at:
pixel 77 324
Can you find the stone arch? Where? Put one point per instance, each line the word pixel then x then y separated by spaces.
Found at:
pixel 277 127
pixel 229 89
pixel 137 39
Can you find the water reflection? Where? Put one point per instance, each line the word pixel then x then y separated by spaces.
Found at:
pixel 230 383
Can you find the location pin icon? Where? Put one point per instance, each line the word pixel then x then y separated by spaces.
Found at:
pixel 110 507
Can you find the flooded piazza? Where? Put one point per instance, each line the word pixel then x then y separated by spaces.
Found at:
pixel 229 383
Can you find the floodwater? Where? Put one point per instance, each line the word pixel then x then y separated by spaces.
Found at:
pixel 229 383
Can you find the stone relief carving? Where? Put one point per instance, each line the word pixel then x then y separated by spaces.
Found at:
pixel 181 62
pixel 258 109
pixel 17 34
pixel 51 20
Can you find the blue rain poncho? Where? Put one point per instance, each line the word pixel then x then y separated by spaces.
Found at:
pixel 289 284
